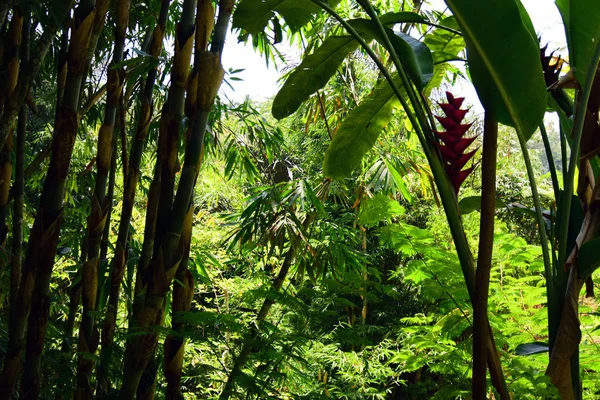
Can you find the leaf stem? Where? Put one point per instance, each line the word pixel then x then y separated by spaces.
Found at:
pixel 550 158
pixel 554 298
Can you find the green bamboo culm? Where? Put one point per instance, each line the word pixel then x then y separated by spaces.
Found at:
pixel 39 262
pixel 168 141
pixel 19 185
pixel 119 261
pixel 165 264
pixel 100 208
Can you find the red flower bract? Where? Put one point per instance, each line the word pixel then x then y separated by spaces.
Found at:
pixel 454 144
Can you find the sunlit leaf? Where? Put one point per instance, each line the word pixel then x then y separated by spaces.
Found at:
pixel 504 61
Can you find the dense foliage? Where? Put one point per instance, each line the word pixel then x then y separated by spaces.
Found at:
pixel 160 240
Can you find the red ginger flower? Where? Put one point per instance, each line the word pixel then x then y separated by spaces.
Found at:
pixel 454 143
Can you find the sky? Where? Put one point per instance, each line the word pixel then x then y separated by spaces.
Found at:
pixel 260 82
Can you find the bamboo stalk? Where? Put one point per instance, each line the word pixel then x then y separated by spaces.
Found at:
pixel 168 140
pixel 170 122
pixel 119 261
pixel 164 266
pixel 10 368
pixel 44 235
pixel 17 228
pixel 88 333
pixel 174 346
pixel 6 167
pixel 13 105
pixel 169 133
pixel 110 194
pixel 183 288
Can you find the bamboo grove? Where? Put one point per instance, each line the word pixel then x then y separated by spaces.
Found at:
pixel 73 35
pixel 355 266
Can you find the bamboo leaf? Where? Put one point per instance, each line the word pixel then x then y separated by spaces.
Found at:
pixel 504 63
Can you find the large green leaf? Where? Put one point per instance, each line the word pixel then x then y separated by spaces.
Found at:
pixel 312 74
pixel 317 68
pixel 254 15
pixel 414 55
pixel 359 131
pixel 503 60
pixel 582 27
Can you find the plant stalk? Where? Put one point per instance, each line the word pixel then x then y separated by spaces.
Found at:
pixel 484 256
pixel 447 195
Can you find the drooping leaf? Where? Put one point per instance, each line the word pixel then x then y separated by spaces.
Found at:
pixel 359 131
pixel 414 55
pixel 582 27
pixel 504 61
pixel 254 15
pixel 528 349
pixel 316 69
pixel 312 74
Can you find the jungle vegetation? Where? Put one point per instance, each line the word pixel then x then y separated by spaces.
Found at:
pixel 364 234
